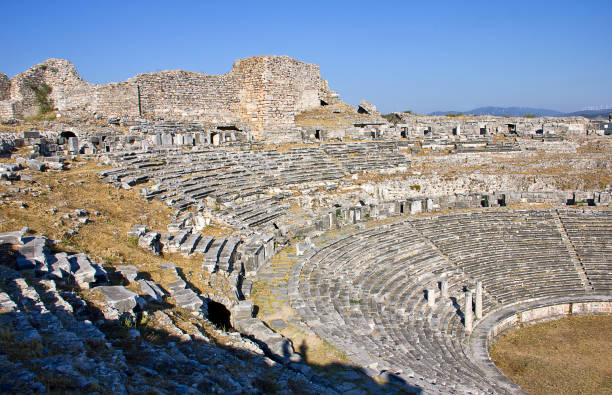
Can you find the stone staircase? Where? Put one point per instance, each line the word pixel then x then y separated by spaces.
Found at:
pixel 572 254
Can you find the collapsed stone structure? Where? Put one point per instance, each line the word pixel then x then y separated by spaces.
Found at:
pixel 410 125
pixel 260 93
pixel 39 311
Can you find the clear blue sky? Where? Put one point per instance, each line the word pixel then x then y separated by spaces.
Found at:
pixel 399 55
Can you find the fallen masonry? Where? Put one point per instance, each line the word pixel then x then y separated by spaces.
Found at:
pixel 41 311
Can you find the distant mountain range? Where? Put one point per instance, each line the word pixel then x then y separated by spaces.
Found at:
pixel 522 111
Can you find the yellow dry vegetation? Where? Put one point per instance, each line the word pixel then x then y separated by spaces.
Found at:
pixel 567 356
pixel 335 116
pixel 44 203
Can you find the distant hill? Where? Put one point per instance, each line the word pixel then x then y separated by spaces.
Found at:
pixel 591 114
pixel 521 111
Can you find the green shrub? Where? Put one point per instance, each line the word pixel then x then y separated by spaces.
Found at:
pixel 42 92
pixel 530 115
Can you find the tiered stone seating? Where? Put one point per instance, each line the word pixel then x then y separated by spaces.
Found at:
pixel 241 180
pixel 41 314
pixel 367 291
pixel 361 156
pixel 590 232
pixel 487 147
pixel 517 254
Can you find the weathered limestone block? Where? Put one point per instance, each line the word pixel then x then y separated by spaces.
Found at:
pixel 416 207
pixel 243 321
pixel 73 145
pixel 366 107
pixel 227 256
pixel 15 238
pixel 478 303
pixel 129 272
pixel 84 272
pixel 189 245
pixel 34 164
pixel 444 289
pixel 153 290
pixel 253 256
pixel 431 296
pixel 211 258
pixel 119 298
pixel 150 241
pixel 33 253
pixel 188 300
pixel 137 231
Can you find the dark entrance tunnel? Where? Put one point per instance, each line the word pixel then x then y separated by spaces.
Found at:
pixel 219 315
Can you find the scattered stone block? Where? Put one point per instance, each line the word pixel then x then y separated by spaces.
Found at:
pixel 278 324
pixel 129 272
pixel 153 290
pixel 84 272
pixel 15 238
pixel 137 231
pixel 36 165
pixel 188 300
pixel 150 241
pixel 119 298
pixel 32 254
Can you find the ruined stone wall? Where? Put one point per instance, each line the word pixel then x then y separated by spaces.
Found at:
pixel 275 88
pixel 262 93
pixel 416 124
pixel 172 95
pixel 5 87
pixel 69 93
pixel 6 107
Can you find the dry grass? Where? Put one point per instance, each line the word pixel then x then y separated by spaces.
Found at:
pixel 325 118
pixel 567 356
pixel 596 146
pixel 105 238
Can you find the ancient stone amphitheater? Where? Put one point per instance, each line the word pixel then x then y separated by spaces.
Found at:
pixel 407 244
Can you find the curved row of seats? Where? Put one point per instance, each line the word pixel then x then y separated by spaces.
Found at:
pixel 365 291
pixel 185 178
pixel 590 232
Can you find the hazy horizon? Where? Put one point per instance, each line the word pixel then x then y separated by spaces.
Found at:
pixel 445 56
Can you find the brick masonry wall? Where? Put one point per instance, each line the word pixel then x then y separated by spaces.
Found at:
pixel 263 93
